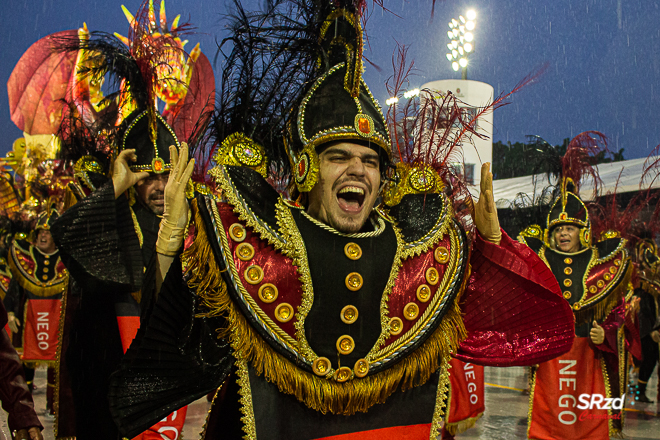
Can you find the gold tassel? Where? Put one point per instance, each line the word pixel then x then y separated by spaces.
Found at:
pixel 318 393
pixel 463 425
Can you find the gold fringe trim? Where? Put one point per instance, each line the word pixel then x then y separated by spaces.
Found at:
pixel 600 311
pixel 317 393
pixel 463 425
pixel 35 289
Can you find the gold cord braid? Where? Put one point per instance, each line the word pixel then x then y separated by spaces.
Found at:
pixel 320 394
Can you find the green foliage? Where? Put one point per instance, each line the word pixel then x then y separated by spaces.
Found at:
pixel 534 157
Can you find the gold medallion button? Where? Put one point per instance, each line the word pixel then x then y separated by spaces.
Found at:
pixel 432 276
pixel 321 366
pixel 411 311
pixel 568 283
pixel 345 344
pixel 45 270
pixel 423 293
pixel 268 293
pixel 567 294
pixel 568 271
pixel 349 314
pixel 353 251
pixel 354 281
pixel 254 274
pixel 284 312
pixel 361 368
pixel 45 277
pixel 593 289
pixel 441 254
pixel 576 306
pixel 568 260
pixel 237 232
pixel 396 326
pixel 613 270
pixel 617 262
pixel 607 277
pixel 46 262
pixel 245 251
pixel 343 374
pixel 600 283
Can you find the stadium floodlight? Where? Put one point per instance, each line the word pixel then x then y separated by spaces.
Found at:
pixel 461 38
pixel 411 93
pixel 393 100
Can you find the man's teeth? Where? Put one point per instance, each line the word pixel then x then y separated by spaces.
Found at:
pixel 351 189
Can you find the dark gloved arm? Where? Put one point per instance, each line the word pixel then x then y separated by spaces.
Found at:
pixel 98 242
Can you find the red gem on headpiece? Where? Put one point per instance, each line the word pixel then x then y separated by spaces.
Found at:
pixel 363 125
pixel 158 166
pixel 301 168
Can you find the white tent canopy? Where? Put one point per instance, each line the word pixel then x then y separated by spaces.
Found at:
pixel 627 173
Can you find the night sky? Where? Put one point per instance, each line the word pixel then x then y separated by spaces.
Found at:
pixel 603 57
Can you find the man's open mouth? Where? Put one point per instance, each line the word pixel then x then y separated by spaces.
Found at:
pixel 350 198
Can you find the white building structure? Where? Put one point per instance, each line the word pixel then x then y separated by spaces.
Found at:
pixel 474 95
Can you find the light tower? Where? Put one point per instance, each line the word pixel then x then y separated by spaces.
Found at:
pixel 461 43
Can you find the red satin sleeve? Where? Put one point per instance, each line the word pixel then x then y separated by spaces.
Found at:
pixel 513 309
pixel 618 317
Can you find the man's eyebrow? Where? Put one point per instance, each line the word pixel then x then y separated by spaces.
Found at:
pixel 336 150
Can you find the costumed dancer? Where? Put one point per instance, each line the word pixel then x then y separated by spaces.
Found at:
pixel 109 236
pixel 646 256
pixel 316 312
pixel 594 278
pixel 39 271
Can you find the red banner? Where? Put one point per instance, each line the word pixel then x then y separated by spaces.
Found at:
pixel 171 426
pixel 411 432
pixel 40 337
pixel 128 328
pixel 167 429
pixel 569 397
pixel 466 397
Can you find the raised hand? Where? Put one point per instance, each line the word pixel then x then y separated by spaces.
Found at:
pixel 122 176
pixel 175 217
pixel 485 212
pixel 597 334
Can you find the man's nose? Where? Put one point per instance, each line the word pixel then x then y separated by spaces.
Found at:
pixel 160 183
pixel 356 166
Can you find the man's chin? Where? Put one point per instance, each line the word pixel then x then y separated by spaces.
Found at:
pixel 349 224
pixel 157 209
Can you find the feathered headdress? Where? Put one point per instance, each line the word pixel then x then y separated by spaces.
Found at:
pixel 429 134
pixel 284 61
pixel 578 162
pixel 149 64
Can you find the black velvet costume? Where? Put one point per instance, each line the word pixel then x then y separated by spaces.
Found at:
pixel 100 246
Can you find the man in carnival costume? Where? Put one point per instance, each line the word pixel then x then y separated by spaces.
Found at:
pixel 646 256
pixel 325 316
pixel 108 237
pixel 39 271
pixel 581 393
